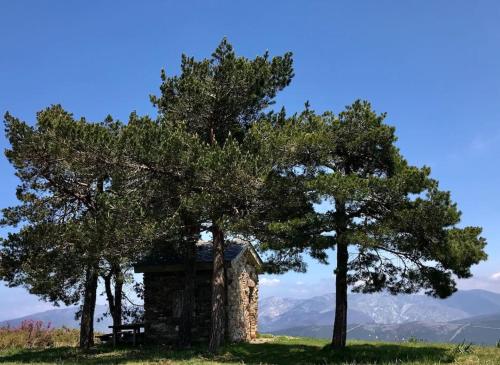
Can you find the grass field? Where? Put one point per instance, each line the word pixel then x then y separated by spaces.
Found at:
pixel 267 350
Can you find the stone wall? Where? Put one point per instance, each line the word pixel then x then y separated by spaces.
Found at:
pixel 242 301
pixel 163 303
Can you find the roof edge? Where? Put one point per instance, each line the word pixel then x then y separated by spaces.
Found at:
pixel 249 247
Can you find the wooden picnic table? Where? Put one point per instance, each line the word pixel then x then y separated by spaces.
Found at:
pixel 135 328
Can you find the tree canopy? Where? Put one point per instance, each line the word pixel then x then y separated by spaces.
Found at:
pixel 96 197
pixel 76 213
pixel 391 226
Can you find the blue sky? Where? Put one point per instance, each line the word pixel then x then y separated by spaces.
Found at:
pixel 433 66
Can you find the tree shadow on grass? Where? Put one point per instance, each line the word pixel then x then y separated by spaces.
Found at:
pixel 281 354
pixel 101 354
pixel 257 353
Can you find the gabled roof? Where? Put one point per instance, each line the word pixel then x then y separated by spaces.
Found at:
pixel 171 260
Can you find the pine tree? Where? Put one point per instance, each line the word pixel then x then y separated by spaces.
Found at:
pixel 76 213
pixel 218 99
pixel 391 226
pixel 164 157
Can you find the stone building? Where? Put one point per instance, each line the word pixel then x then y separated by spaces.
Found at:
pixel 164 283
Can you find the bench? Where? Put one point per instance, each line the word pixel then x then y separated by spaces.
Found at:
pixel 123 331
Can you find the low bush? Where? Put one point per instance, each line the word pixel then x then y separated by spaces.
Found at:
pixel 34 334
pixel 463 348
pixel 414 340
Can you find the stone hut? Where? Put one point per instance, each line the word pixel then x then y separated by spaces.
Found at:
pixel 164 283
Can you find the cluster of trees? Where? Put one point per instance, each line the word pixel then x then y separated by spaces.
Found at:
pixel 96 197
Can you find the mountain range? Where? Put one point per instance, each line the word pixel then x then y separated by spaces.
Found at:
pixel 484 330
pixel 62 317
pixel 276 313
pixel 472 315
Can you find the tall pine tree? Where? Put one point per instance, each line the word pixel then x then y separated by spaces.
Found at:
pixel 76 213
pixel 219 99
pixel 391 226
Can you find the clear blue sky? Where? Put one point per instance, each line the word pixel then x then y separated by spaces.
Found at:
pixel 433 65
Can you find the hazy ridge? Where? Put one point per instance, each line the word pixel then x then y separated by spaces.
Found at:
pixel 472 315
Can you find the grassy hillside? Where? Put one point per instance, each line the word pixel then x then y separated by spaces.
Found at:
pixel 267 350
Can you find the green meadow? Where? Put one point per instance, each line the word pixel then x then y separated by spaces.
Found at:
pixel 266 350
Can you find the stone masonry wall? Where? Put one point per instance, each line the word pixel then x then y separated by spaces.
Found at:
pixel 163 303
pixel 242 301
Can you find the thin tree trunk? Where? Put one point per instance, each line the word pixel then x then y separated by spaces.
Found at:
pixel 119 279
pixel 90 289
pixel 218 291
pixel 87 318
pixel 188 294
pixel 109 295
pixel 114 299
pixel 226 312
pixel 340 326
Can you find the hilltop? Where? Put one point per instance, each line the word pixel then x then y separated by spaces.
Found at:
pixel 266 350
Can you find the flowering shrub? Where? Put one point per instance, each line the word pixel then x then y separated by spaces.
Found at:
pixel 34 334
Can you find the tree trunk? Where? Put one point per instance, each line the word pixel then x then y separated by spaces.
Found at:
pixel 218 291
pixel 226 312
pixel 340 326
pixel 119 279
pixel 109 295
pixel 90 289
pixel 188 294
pixel 87 318
pixel 115 300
